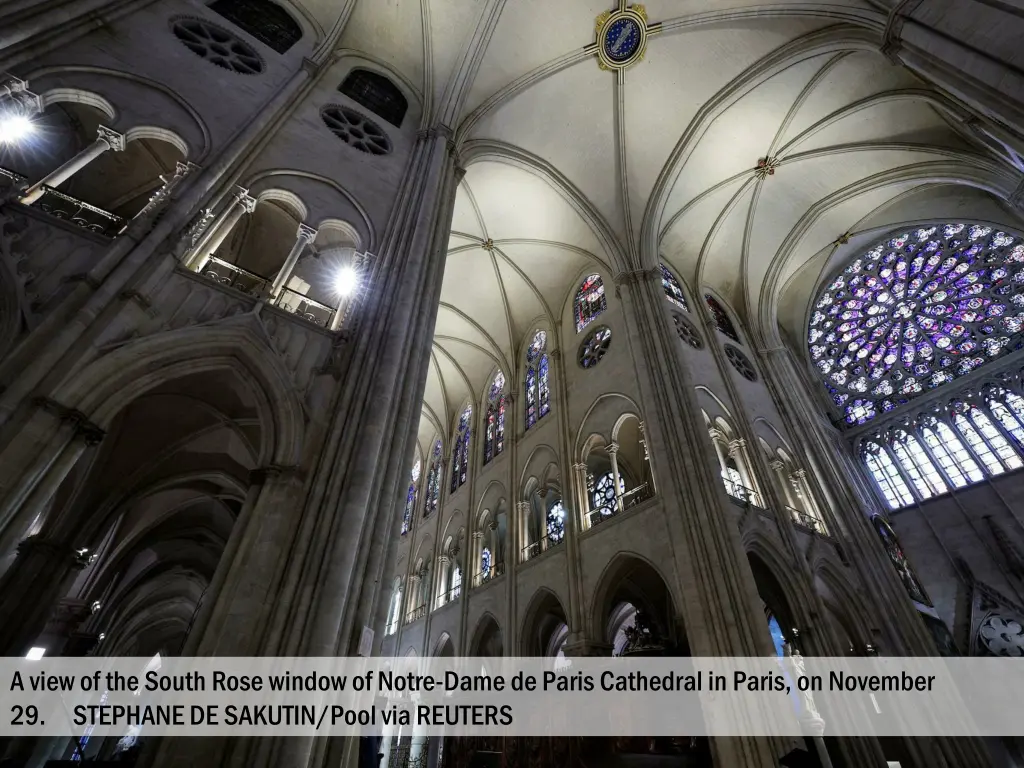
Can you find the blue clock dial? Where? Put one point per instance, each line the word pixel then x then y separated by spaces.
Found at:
pixel 621 39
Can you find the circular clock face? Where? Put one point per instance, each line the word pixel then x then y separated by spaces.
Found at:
pixel 622 39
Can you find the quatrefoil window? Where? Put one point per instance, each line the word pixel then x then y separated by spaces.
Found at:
pixel 740 363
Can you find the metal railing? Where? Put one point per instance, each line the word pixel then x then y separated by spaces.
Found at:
pixel 535 548
pixel 742 494
pixel 9 178
pixel 446 597
pixel 80 214
pixel 416 614
pixel 229 275
pixel 493 572
pixel 303 306
pixel 627 500
pixel 805 520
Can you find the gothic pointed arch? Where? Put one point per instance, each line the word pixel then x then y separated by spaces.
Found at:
pixel 721 317
pixel 432 494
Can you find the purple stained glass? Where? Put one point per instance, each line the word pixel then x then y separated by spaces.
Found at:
pixel 916 311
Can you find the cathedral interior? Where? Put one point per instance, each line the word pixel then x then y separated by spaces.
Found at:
pixel 418 328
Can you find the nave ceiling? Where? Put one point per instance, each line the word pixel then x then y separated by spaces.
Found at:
pixel 572 169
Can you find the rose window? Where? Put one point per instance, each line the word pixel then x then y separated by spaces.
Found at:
pixel 917 311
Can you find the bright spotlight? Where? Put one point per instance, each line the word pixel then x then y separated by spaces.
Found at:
pixel 346 281
pixel 14 128
pixel 35 654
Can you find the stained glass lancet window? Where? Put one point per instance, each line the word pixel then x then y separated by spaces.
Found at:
pixel 590 301
pixel 918 310
pixel 673 291
pixel 410 500
pixel 460 451
pixel 888 477
pixel 433 494
pixel 915 462
pixel 494 435
pixel 268 22
pixel 538 389
pixel 953 457
pixel 722 320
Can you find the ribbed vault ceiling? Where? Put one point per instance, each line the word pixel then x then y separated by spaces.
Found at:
pixel 571 167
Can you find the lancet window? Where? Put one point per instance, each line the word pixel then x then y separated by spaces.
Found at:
pixel 410 500
pixel 433 494
pixel 673 291
pixel 494 430
pixel 460 452
pixel 537 384
pixel 722 320
pixel 590 301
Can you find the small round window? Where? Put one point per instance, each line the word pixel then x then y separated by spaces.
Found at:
pixel 686 331
pixel 217 46
pixel 356 130
pixel 595 346
pixel 740 362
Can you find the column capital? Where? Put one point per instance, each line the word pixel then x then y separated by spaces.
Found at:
pixel 612 448
pixel 184 169
pixel 414 578
pixel 523 506
pixel 717 434
pixel 306 233
pixel 478 535
pixel 777 465
pixel 798 474
pixel 443 559
pixel 244 199
pixel 114 140
pixel 579 466
pixel 492 525
pixel 736 446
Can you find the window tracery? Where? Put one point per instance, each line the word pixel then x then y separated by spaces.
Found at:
pixel 494 433
pixel 590 301
pixel 556 522
pixel 673 291
pixel 460 452
pixel 916 311
pixel 722 320
pixel 538 385
pixel 595 346
pixel 433 494
pixel 603 494
pixel 952 447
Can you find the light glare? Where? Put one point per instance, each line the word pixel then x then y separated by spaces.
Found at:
pixel 346 281
pixel 14 128
pixel 35 654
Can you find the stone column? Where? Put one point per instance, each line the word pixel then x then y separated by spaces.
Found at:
pixel 613 456
pixel 778 467
pixel 443 586
pixel 476 559
pixel 579 487
pixel 30 589
pixel 84 434
pixel 413 600
pixel 218 232
pixel 107 139
pixel 310 571
pixel 303 237
pixel 144 218
pixel 497 550
pixel 523 524
pixel 722 615
pixel 737 454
